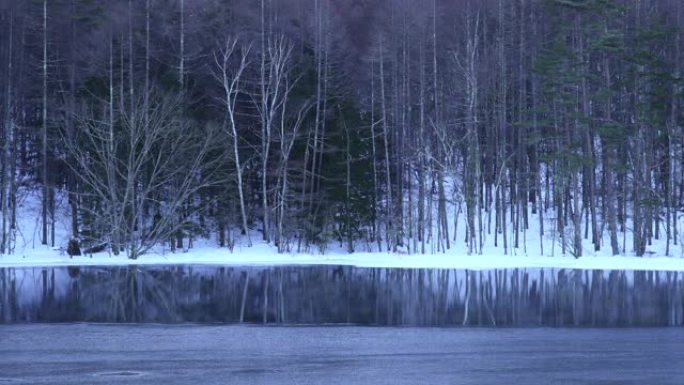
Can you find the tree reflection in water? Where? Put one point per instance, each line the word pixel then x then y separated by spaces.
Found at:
pixel 334 294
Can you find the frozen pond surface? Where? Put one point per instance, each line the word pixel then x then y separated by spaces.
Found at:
pixel 205 354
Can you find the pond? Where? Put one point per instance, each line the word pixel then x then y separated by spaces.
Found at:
pixel 242 354
pixel 342 295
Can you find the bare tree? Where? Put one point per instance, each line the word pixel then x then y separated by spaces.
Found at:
pixel 275 66
pixel 163 165
pixel 472 164
pixel 230 76
pixel 289 131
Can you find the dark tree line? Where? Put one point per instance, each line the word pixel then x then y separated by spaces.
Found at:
pixel 392 125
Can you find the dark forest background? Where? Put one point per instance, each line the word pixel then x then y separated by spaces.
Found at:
pixel 379 123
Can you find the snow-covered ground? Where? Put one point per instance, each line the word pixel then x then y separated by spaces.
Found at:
pixel 532 253
pixel 263 255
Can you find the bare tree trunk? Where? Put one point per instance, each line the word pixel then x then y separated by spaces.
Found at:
pixel 231 87
pixel 147 61
pixel 443 223
pixel 44 131
pixel 671 214
pixel 421 159
pixel 181 64
pixel 541 207
pixel 137 201
pixel 389 233
pixel 130 59
pixel 473 154
pixel 588 147
pixel 319 107
pixel 114 209
pixel 347 201
pixel 375 225
pixel 287 141
pixel 678 92
pixel 609 154
pixel 265 130
pixel 436 98
pixel 502 122
pixel 577 216
pixel 6 186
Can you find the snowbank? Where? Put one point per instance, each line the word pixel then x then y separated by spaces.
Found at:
pixel 262 255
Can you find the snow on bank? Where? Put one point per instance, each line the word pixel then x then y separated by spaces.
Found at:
pixel 263 255
pixel 535 252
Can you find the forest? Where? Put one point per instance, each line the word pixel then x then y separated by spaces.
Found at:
pixel 410 126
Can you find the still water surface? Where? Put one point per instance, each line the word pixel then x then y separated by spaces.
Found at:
pixel 239 354
pixel 347 295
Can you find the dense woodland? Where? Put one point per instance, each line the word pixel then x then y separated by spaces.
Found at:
pixel 396 124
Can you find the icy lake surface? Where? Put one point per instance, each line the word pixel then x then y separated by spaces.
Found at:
pixel 202 354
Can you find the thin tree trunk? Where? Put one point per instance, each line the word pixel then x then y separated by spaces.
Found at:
pixel 131 100
pixel 265 131
pixel 609 199
pixel 115 210
pixel 385 137
pixel 181 64
pixel 6 186
pixel 231 88
pixel 347 201
pixel 421 160
pixel 375 226
pixel 44 130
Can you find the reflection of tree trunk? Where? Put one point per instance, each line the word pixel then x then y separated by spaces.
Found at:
pixel 487 299
pixel 244 298
pixel 541 296
pixel 575 305
pixel 478 296
pixel 5 311
pixel 445 284
pixel 265 314
pixel 388 289
pixel 515 290
pixel 132 308
pixel 282 296
pixel 417 297
pixel 12 298
pixel 3 299
pixel 375 273
pixel 467 299
pixel 48 286
pixel 558 300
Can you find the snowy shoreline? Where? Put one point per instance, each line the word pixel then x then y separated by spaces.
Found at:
pixel 263 257
pixel 536 251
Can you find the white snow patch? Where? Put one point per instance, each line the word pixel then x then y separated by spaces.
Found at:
pixel 263 255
